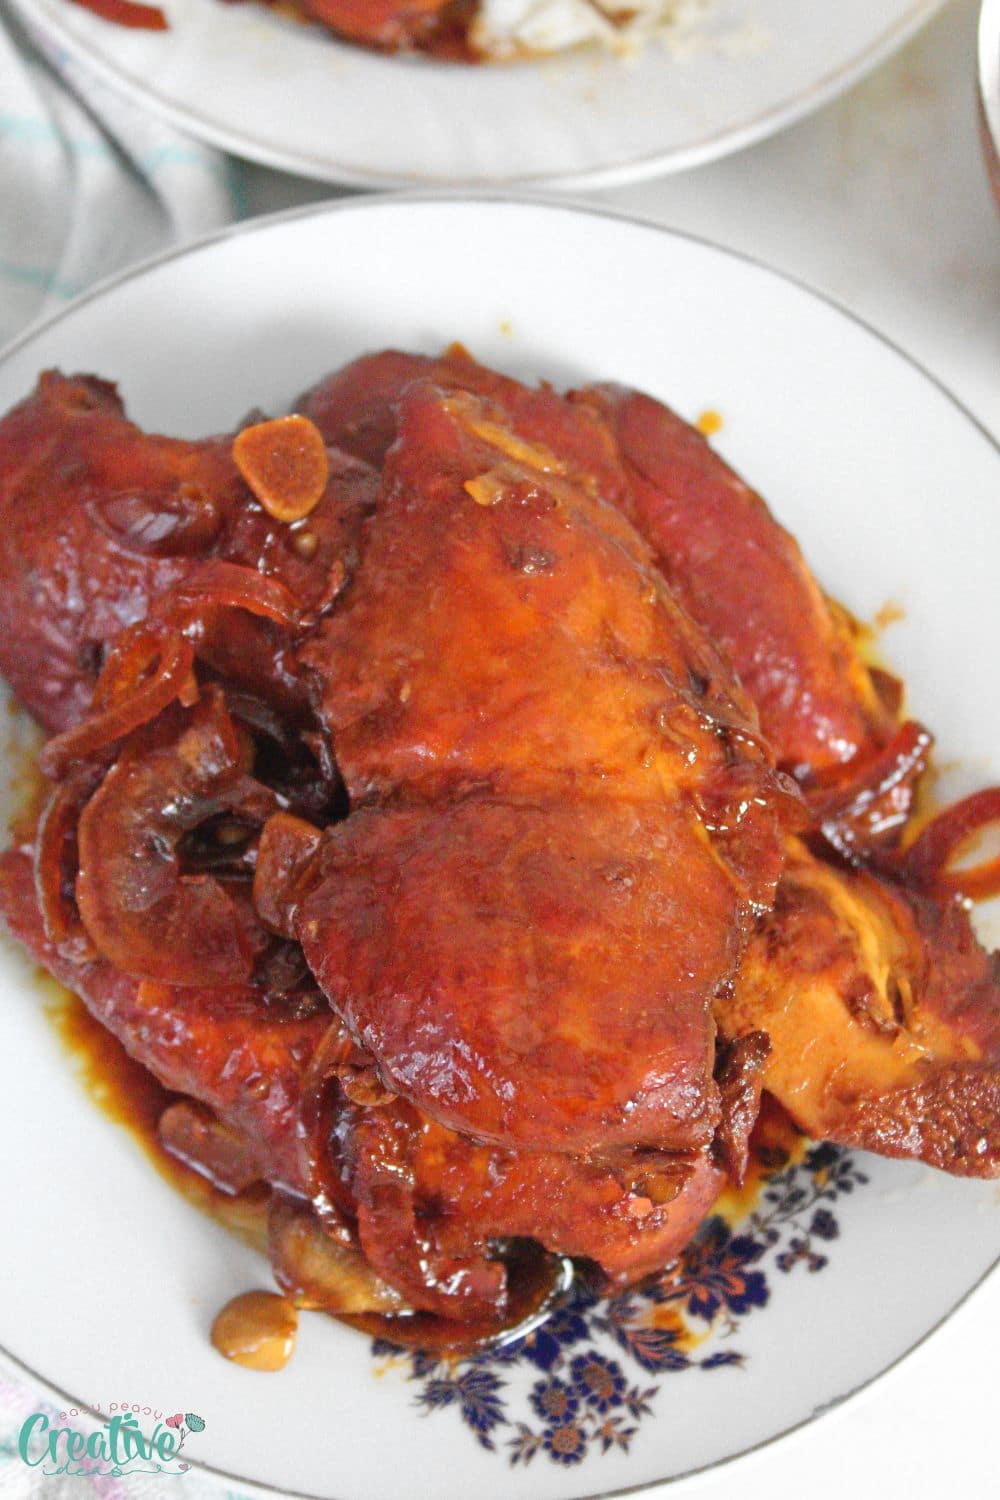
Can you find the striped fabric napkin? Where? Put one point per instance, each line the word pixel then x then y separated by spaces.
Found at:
pixel 88 182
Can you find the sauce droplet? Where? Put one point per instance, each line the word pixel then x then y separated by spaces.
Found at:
pixel 257 1330
pixel 709 422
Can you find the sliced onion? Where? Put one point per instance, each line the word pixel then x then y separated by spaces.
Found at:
pixel 928 858
pixel 874 800
pixel 143 913
pixel 323 1106
pixel 236 587
pixel 125 697
pixel 318 1271
pixel 54 838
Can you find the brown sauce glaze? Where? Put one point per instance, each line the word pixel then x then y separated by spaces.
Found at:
pixel 537 1283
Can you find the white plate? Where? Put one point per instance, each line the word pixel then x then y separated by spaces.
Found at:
pixel 110 1279
pixel 289 96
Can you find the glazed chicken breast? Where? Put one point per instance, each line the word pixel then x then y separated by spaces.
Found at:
pixel 464 795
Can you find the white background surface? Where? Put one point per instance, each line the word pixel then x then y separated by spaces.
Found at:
pixel 881 202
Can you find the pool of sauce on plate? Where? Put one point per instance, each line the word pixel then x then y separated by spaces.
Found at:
pixel 128 1095
pixel 257 1330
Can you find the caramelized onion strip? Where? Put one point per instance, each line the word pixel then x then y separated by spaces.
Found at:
pixel 929 857
pixel 56 829
pixel 233 586
pixel 337 1064
pixel 125 697
pixel 875 802
pixel 152 663
pixel 143 912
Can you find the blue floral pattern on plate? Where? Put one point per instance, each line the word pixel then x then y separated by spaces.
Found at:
pixel 586 1399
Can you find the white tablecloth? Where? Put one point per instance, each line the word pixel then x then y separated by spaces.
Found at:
pixel 879 201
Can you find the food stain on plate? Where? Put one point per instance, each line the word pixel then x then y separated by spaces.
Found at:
pixel 129 1096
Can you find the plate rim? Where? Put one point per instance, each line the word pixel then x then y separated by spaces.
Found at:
pixel 621 173
pixel 574 209
pixel 529 198
pixel 821 1413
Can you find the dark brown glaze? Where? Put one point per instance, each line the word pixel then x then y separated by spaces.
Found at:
pixel 99 521
pixel 896 1007
pixel 140 910
pixel 247 1060
pixel 194 1137
pixel 947 1118
pixel 493 570
pixel 735 569
pixel 740 1077
pixel 356 409
pixel 480 904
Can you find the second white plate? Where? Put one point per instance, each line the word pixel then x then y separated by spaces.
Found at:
pixel 244 78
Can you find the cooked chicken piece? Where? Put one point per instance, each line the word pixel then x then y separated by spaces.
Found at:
pixel 883 1013
pixel 99 521
pixel 356 410
pixel 430 1203
pixel 248 1053
pixel 562 825
pixel 222 1045
pixel 508 815
pixel 743 578
pixel 736 570
pixel 580 810
pixel 395 25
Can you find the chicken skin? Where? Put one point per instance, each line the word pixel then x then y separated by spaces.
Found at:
pixel 736 571
pixel 100 520
pixel 551 731
pixel 883 1013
